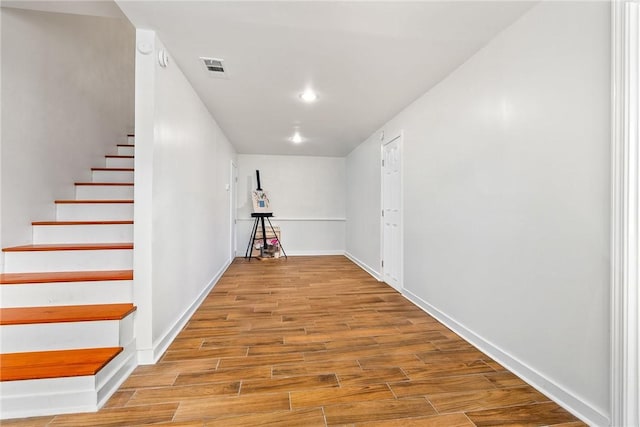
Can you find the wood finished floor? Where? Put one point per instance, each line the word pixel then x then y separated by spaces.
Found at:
pixel 315 341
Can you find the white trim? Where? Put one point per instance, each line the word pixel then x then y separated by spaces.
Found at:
pixel 563 397
pixel 112 376
pixel 375 274
pixel 160 345
pixel 625 215
pixel 274 219
pixel 233 228
pixel 328 252
pixel 381 231
pixel 316 253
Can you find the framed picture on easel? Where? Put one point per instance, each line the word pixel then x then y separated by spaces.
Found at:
pixel 264 242
pixel 261 203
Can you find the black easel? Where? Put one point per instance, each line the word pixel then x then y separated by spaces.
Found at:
pixel 260 221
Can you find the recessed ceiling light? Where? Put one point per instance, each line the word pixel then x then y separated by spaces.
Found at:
pixel 296 138
pixel 308 96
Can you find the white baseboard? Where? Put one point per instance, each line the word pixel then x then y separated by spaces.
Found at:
pixel 316 253
pixel 365 267
pixel 152 355
pixel 308 253
pixel 564 398
pixel 109 380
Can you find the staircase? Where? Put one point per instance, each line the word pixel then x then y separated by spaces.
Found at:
pixel 66 314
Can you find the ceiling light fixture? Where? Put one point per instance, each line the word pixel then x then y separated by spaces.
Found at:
pixel 296 138
pixel 308 96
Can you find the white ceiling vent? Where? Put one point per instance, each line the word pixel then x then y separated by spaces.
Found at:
pixel 215 67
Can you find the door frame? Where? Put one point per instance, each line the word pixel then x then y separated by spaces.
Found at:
pixel 233 210
pixel 625 213
pixel 384 141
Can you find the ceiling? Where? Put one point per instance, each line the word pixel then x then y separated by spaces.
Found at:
pixel 367 60
pixel 104 8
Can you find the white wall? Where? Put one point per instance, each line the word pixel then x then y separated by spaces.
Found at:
pixel 307 195
pixel 67 100
pixel 364 206
pixel 507 194
pixel 182 207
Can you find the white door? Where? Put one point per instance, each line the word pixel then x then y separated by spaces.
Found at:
pixel 234 209
pixel 392 213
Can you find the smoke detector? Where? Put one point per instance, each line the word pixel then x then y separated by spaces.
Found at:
pixel 215 67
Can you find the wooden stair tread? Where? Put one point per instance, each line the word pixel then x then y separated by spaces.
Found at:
pixel 81 222
pixel 71 202
pixel 55 364
pixel 68 247
pixel 65 276
pixel 125 145
pixel 116 156
pixel 105 183
pixel 113 169
pixel 64 314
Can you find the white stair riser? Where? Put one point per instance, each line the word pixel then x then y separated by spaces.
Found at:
pixel 94 211
pixel 131 140
pixel 111 176
pixel 66 293
pixel 126 151
pixel 116 162
pixel 66 335
pixel 104 192
pixel 103 233
pixel 80 260
pixel 30 398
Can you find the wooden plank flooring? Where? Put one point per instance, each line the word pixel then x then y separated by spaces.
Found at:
pixel 315 341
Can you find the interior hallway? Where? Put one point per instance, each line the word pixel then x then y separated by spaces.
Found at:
pixel 316 341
